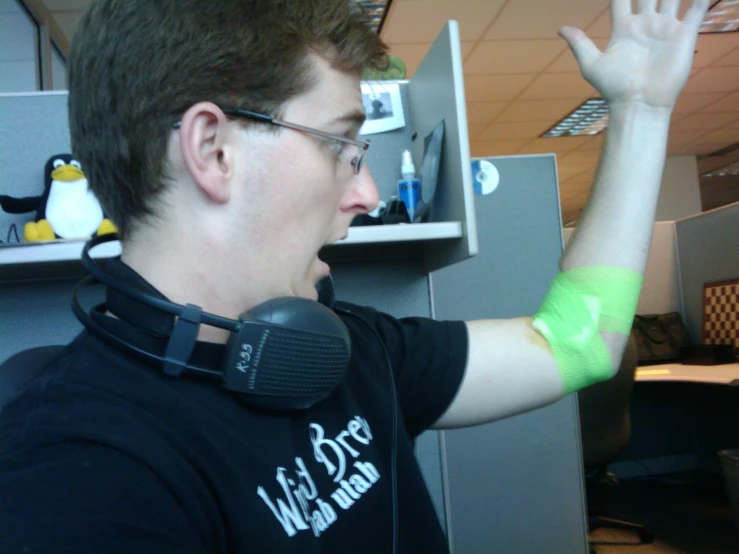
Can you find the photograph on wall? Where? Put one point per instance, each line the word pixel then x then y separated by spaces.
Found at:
pixel 383 107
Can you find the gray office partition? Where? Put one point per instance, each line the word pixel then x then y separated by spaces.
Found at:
pixel 436 94
pixel 34 128
pixel 513 485
pixel 708 251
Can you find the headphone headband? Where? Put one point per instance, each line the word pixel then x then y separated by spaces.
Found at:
pixel 285 354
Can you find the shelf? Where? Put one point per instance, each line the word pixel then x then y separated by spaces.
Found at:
pixel 53 251
pixel 402 233
pixel 60 259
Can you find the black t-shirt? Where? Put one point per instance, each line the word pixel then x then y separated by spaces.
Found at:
pixel 104 453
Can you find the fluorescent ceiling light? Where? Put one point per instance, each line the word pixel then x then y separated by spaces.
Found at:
pixel 723 17
pixel 589 119
pixel 377 9
pixel 731 169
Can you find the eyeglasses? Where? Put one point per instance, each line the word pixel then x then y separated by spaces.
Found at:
pixel 355 161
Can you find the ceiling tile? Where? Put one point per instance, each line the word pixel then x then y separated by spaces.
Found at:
pixel 706 148
pixel 410 21
pixel 727 103
pixel 484 112
pixel 504 131
pixel 707 121
pixel 565 172
pixel 722 136
pixel 593 144
pixel 411 54
pixel 539 110
pixel 678 136
pixel 512 56
pixel 580 158
pixel 714 46
pixel 485 88
pixel 474 129
pixel 688 103
pixel 467 47
pixel 559 85
pixel 542 18
pixel 714 79
pixel 485 148
pixel 555 145
pixel 579 191
pixel 566 62
pixel 681 150
pixel 732 58
pixel 601 27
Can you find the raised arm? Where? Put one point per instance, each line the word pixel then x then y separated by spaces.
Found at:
pixel 578 336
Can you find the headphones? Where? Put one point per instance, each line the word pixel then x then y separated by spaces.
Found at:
pixel 283 355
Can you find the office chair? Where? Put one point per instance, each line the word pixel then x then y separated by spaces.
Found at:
pixel 605 427
pixel 20 369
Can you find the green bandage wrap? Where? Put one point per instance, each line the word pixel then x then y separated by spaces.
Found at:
pixel 580 304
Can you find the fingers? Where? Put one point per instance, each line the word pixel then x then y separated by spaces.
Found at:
pixel 696 13
pixel 644 6
pixel 585 51
pixel 669 7
pixel 620 9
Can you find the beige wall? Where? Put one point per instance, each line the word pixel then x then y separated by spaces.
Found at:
pixel 680 195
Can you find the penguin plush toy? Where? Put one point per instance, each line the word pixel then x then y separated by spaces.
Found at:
pixel 67 209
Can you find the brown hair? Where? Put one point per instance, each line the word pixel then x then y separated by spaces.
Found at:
pixel 136 65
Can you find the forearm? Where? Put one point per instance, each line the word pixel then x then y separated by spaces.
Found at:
pixel 615 228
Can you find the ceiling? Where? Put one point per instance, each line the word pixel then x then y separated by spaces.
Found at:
pixel 520 78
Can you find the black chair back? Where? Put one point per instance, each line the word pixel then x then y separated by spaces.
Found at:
pixel 20 369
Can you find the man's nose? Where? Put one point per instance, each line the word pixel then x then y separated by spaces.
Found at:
pixel 365 197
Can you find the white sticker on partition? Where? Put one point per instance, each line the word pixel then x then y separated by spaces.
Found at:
pixel 485 177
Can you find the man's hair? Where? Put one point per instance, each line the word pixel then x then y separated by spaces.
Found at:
pixel 137 65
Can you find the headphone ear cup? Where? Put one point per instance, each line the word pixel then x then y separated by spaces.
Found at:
pixel 289 353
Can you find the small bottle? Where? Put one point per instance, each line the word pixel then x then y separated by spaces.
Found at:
pixel 409 187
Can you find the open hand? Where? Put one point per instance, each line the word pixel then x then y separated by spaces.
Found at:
pixel 649 56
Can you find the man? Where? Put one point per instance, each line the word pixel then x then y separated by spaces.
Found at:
pixel 223 207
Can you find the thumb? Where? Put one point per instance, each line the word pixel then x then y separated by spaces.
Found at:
pixel 585 51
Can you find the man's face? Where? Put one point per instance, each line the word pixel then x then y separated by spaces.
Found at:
pixel 308 192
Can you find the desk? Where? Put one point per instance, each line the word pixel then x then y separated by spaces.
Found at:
pixel 681 415
pixel 724 374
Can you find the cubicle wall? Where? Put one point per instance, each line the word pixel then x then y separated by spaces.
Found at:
pixel 708 250
pixel 513 485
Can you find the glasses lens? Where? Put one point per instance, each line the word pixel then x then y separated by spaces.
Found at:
pixel 357 162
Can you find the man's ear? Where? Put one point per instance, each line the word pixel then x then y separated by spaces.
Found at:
pixel 206 144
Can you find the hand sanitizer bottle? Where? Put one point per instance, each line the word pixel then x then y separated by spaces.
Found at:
pixel 409 187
